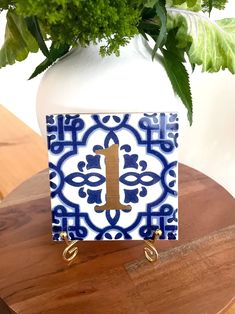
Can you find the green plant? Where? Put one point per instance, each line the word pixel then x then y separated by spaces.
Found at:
pixel 179 28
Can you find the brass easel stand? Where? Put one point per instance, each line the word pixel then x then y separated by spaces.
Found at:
pixel 150 251
pixel 71 251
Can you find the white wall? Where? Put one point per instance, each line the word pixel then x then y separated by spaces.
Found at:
pixel 208 145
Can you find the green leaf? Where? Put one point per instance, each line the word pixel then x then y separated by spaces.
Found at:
pixel 54 54
pixel 41 68
pixel 207 5
pixel 210 5
pixel 177 2
pixel 210 44
pixel 33 27
pixel 193 5
pixel 18 40
pixel 5 4
pixel 150 28
pixel 171 45
pixel 190 3
pixel 162 14
pixel 179 78
pixel 150 3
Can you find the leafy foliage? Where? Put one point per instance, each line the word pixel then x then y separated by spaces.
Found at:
pixel 197 5
pixel 18 40
pixel 209 4
pixel 178 27
pixel 192 5
pixel 207 43
pixel 5 4
pixel 81 22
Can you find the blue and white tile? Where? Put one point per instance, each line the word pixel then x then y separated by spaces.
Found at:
pixel 148 174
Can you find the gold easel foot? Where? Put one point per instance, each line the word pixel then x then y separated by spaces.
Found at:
pixel 150 251
pixel 71 251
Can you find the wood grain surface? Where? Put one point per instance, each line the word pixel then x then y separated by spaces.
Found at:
pixel 22 152
pixel 194 275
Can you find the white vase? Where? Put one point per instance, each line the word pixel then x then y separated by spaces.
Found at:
pixel 84 82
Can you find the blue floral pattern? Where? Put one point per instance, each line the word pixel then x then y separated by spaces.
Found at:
pixel 147 175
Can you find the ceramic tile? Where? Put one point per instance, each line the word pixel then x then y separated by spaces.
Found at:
pixel 113 176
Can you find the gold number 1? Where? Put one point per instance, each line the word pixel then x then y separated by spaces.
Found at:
pixel 112 178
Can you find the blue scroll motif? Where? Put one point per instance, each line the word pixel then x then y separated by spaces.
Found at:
pixel 60 218
pixel 157 133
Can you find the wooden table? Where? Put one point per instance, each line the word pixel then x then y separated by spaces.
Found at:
pixel 194 275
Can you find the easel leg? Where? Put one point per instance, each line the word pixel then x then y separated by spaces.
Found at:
pixel 150 251
pixel 71 251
